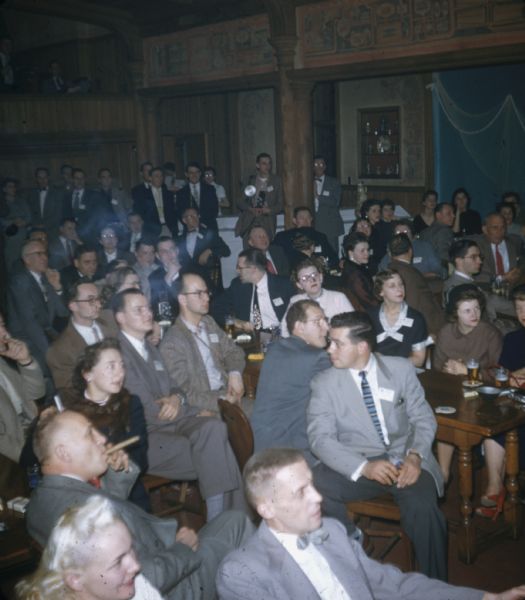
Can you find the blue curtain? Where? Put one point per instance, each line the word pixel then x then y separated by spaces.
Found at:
pixel 479 133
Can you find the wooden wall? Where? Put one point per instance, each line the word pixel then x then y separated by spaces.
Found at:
pixel 86 131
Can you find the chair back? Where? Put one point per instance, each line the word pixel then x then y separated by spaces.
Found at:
pixel 240 434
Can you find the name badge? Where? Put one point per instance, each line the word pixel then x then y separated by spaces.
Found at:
pixel 269 188
pixel 417 259
pixel 277 301
pixel 408 322
pixel 326 192
pixel 318 249
pixel 82 207
pixel 386 394
pixel 214 338
pixel 158 365
pixel 200 236
pixel 113 201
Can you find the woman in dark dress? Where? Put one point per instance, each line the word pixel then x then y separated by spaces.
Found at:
pixel 400 330
pixel 426 217
pixel 98 394
pixel 371 211
pixel 467 221
pixel 356 281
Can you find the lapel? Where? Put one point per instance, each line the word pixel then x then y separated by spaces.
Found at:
pixel 385 380
pixel 198 366
pixel 37 291
pixel 489 257
pixel 152 378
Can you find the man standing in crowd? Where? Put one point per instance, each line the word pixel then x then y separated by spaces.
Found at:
pixel 327 198
pixel 440 233
pixel 45 203
pixel 200 195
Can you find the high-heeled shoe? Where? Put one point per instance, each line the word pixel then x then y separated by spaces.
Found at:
pixel 492 512
pixel 491 500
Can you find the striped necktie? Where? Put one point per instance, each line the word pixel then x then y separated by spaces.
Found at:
pixel 370 406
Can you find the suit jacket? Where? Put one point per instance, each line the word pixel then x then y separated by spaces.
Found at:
pixel 58 257
pixel 237 299
pixel 341 432
pixel 64 352
pixel 273 200
pixel 328 219
pixel 165 562
pixel 121 255
pixel 441 237
pixel 53 209
pixel 92 215
pixel 279 413
pixel 265 569
pixel 279 259
pixel 23 385
pixel 419 296
pixel 488 267
pixel 186 367
pixel 70 275
pixel 31 318
pixel 322 245
pixel 144 205
pixel 208 204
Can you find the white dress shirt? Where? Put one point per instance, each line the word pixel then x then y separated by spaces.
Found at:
pixel 157 196
pixel 319 182
pixel 503 250
pixel 88 333
pixel 269 318
pixel 138 345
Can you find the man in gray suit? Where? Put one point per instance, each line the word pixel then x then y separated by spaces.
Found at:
pixel 175 560
pixel 465 255
pixel 372 429
pixel 440 233
pixel 283 391
pixel 184 442
pixel 327 198
pixel 296 554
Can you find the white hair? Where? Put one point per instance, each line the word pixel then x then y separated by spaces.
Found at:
pixel 68 549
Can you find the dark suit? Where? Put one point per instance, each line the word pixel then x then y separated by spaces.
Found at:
pixel 53 209
pixel 265 569
pixel 144 205
pixel 207 239
pixel 342 435
pixel 172 567
pixel 237 299
pixel 58 255
pixel 419 296
pixel 70 275
pixel 208 205
pixel 279 259
pixel 31 318
pixel 279 413
pixel 190 447
pixel 121 255
pixel 93 213
pixel 322 245
pixel 328 218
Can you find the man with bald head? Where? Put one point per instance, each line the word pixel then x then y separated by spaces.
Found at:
pixel 73 456
pixel 35 306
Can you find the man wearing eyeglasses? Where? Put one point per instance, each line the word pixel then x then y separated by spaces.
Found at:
pixel 200 357
pixel 283 392
pixel 308 278
pixel 35 307
pixel 84 328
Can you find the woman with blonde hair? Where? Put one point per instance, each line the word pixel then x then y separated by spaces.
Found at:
pixel 89 556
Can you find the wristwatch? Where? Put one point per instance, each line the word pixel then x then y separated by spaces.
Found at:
pixel 415 452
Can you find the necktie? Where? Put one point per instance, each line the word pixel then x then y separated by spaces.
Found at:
pixel 500 269
pixel 317 537
pixel 96 334
pixel 256 311
pixel 42 286
pixel 195 194
pixel 269 267
pixel 318 179
pixel 76 200
pixel 69 244
pixel 369 403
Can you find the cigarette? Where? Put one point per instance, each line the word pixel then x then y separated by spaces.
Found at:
pixel 124 444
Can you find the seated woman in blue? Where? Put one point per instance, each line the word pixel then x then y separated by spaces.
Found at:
pixel 400 330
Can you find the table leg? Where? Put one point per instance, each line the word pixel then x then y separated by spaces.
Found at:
pixel 513 512
pixel 466 532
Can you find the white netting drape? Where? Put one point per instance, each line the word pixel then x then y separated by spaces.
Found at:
pixel 494 139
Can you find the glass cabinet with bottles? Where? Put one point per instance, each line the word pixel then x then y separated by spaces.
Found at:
pixel 379 143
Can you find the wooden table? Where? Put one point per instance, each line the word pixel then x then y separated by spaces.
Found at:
pixel 474 420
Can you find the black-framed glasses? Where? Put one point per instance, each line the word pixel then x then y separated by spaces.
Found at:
pixel 310 277
pixel 200 293
pixel 91 301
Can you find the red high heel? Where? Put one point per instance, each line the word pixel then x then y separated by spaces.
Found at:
pixel 497 502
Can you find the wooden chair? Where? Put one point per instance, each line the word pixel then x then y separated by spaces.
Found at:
pixel 383 508
pixel 240 434
pixel 161 486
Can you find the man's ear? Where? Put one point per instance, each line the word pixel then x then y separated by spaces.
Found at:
pixel 266 509
pixel 62 453
pixel 118 318
pixel 74 580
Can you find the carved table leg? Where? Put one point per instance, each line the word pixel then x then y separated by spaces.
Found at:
pixel 466 531
pixel 513 512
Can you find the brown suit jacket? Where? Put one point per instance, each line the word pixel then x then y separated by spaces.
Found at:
pixel 419 296
pixel 64 352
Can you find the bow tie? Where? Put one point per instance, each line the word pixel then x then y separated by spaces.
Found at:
pixel 317 537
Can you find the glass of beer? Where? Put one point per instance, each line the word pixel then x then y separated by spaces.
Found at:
pixel 473 370
pixel 229 326
pixel 501 378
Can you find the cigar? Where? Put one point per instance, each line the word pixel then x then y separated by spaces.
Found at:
pixel 124 444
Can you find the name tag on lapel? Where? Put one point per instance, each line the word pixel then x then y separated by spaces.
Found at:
pixel 386 394
pixel 113 201
pixel 269 188
pixel 158 365
pixel 277 301
pixel 200 236
pixel 318 249
pixel 214 338
pixel 326 192
pixel 417 259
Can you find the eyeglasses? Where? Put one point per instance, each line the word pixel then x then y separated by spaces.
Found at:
pixel 37 253
pixel 474 256
pixel 310 277
pixel 108 235
pixel 317 321
pixel 200 293
pixel 92 300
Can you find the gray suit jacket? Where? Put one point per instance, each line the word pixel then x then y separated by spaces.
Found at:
pixel 488 267
pixel 328 219
pixel 279 414
pixel 165 562
pixel 186 367
pixel 22 385
pixel 341 432
pixel 264 569
pixel 441 237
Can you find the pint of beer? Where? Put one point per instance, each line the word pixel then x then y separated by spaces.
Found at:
pixel 501 379
pixel 473 370
pixel 229 326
